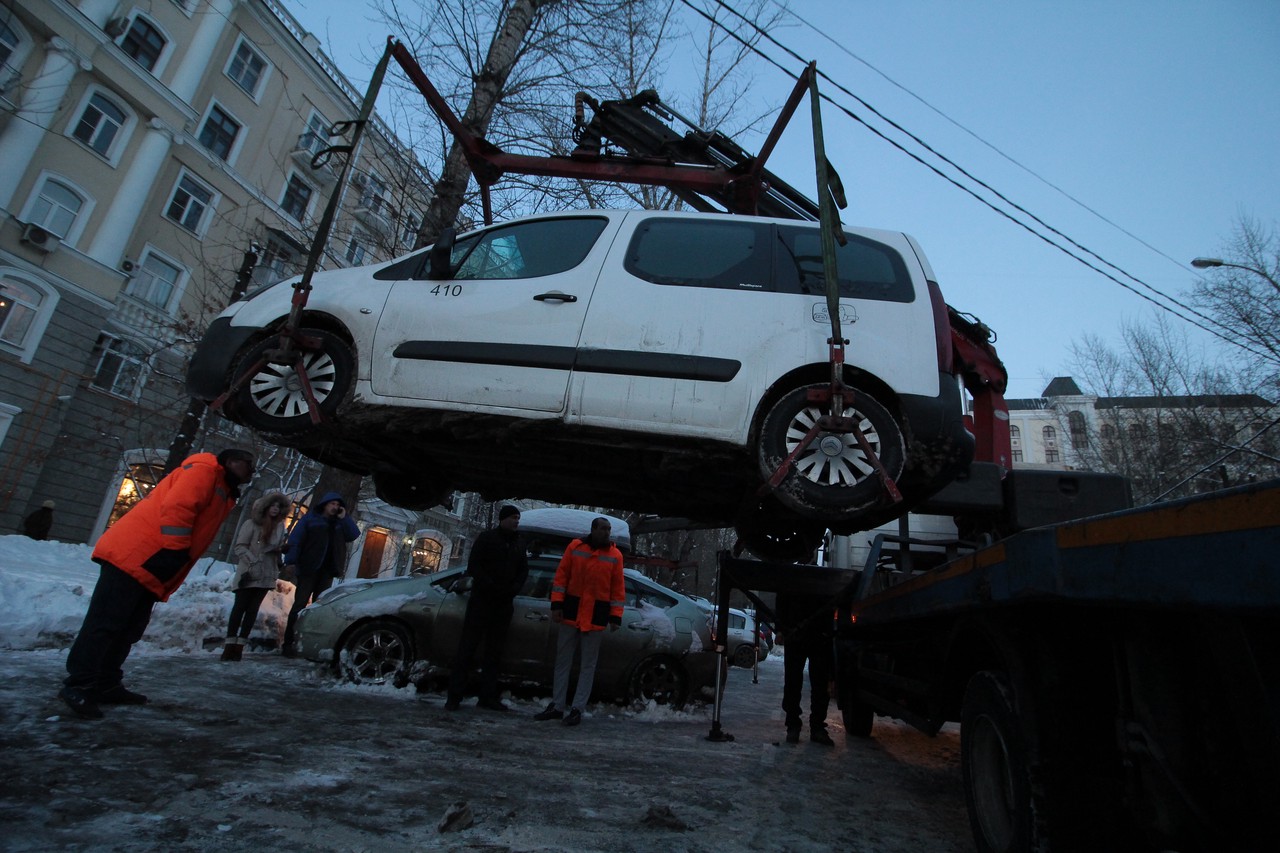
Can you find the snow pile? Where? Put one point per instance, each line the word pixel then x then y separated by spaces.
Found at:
pixel 45 589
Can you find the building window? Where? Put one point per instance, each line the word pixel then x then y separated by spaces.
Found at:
pixel 19 306
pixel 143 43
pixel 26 305
pixel 100 124
pixel 279 257
pixel 14 47
pixel 1050 444
pixel 247 68
pixel 355 251
pixel 374 197
pixel 427 554
pixel 121 367
pixel 137 483
pixel 1079 433
pixel 9 41
pixel 55 208
pixel 1017 455
pixel 316 136
pixel 1015 435
pixel 219 133
pixel 297 197
pixel 190 203
pixel 1108 432
pixel 409 231
pixel 155 282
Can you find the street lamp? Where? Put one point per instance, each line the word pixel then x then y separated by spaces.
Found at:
pixel 1208 263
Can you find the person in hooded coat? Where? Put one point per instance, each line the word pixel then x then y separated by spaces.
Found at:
pixel 38 524
pixel 259 543
pixel 317 554
pixel 145 557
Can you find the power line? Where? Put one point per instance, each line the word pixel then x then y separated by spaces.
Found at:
pixel 1033 173
pixel 755 49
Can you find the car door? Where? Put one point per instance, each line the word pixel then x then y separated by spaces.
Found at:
pixel 530 641
pixel 501 333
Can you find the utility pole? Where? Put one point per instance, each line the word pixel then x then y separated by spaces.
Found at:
pixel 180 447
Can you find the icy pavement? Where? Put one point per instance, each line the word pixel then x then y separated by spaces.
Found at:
pixel 275 754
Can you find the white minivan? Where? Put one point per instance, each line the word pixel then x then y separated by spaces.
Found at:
pixel 647 361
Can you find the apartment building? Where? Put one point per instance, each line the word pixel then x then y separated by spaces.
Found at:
pixel 152 155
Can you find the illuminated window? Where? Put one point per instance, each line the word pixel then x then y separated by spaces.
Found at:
pixel 138 482
pixel 427 553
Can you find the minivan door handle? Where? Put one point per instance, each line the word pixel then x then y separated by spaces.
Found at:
pixel 558 297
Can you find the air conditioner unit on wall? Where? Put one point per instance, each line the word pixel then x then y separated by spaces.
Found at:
pixel 116 27
pixel 38 238
pixel 128 266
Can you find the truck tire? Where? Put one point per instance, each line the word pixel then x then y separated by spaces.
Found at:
pixel 858 717
pixel 993 757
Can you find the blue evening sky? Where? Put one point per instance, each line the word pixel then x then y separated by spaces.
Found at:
pixel 1163 117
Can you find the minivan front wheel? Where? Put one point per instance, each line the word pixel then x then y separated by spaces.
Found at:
pixel 272 398
pixel 832 479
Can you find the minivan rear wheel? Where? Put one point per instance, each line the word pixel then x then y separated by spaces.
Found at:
pixel 832 479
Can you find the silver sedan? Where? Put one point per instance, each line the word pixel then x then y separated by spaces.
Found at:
pixel 382 631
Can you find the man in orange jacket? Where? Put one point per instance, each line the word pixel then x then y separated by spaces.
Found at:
pixel 145 556
pixel 587 596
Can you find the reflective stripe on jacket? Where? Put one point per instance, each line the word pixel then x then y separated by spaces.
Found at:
pixel 182 513
pixel 589 588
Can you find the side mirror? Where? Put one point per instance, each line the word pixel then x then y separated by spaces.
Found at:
pixel 441 255
pixel 462 585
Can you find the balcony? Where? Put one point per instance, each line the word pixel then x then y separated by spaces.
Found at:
pixel 309 144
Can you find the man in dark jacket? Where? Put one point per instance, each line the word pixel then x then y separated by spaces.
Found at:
pixel 498 568
pixel 808 632
pixel 316 555
pixel 145 557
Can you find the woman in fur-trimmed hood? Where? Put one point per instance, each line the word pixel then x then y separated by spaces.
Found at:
pixel 258 545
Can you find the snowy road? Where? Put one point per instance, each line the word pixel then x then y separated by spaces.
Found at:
pixel 272 754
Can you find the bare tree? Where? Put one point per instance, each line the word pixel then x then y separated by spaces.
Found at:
pixel 1242 294
pixel 1167 418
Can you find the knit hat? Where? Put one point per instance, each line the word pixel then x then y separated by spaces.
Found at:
pixel 507 511
pixel 48 504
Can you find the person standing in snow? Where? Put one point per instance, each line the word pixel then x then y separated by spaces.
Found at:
pixel 587 596
pixel 498 568
pixel 316 556
pixel 37 525
pixel 145 557
pixel 808 634
pixel 259 543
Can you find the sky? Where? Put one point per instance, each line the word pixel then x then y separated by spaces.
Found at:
pixel 1141 130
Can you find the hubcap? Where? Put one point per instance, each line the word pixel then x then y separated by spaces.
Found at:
pixel 276 389
pixel 832 459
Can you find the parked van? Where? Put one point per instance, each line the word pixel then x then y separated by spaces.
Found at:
pixel 651 361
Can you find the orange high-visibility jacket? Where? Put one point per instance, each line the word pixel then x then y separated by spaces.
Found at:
pixel 589 588
pixel 183 512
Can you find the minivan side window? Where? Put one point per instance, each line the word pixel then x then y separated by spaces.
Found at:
pixel 524 250
pixel 527 250
pixel 731 254
pixel 866 269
